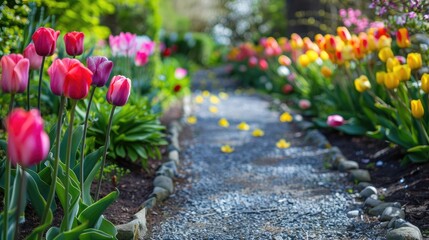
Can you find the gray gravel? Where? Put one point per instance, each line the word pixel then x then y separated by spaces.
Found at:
pixel 258 191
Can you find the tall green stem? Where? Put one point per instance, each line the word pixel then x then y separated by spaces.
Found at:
pixel 68 153
pixel 21 192
pixel 82 148
pixel 56 162
pixel 28 89
pixel 106 146
pixel 7 182
pixel 40 83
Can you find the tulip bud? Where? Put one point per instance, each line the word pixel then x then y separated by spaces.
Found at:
pixel 35 59
pixel 14 78
pixel 263 64
pixel 391 80
pixel 296 41
pixel 284 60
pixel 380 77
pixel 74 43
pixel 403 72
pixel 425 82
pixel 303 60
pixel 304 104
pixel 417 109
pixel 344 34
pixel 385 53
pixel 119 90
pixel 101 68
pixel 362 84
pixel 312 55
pixel 335 120
pixel 27 142
pixel 414 60
pixel 324 55
pixel 402 38
pixel 45 41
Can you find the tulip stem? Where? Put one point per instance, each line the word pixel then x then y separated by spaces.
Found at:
pixel 56 162
pixel 423 129
pixel 67 163
pixel 21 192
pixel 40 84
pixel 7 182
pixel 106 146
pixel 82 148
pixel 28 90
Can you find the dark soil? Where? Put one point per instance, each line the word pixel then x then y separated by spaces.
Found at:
pixel 407 184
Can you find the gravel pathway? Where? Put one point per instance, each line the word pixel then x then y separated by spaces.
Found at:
pixel 258 191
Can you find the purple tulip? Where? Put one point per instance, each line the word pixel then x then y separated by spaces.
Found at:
pixel 101 68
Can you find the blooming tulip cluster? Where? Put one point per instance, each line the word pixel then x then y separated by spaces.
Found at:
pixel 139 48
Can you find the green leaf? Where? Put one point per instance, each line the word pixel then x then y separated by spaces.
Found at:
pixel 3 145
pixel 88 182
pixel 34 187
pixel 353 129
pixel 108 227
pixel 89 162
pixel 420 148
pixel 52 233
pixel 76 139
pixel 93 212
pixel 90 234
pixel 400 137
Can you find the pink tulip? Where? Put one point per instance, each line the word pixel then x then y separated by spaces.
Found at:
pixel 304 104
pixel 142 58
pixel 335 120
pixel 14 78
pixel 35 59
pixel 70 78
pixel 45 41
pixel 27 143
pixel 263 64
pixel 101 68
pixel 123 44
pixel 119 90
pixel 253 61
pixel 180 73
pixel 74 43
pixel 287 88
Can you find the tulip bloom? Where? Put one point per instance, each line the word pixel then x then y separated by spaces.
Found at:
pixel 414 60
pixel 326 72
pixel 344 34
pixel 417 109
pixel 402 38
pixel 303 60
pixel 403 72
pixel 14 78
pixel 362 84
pixel 263 64
pixel 45 41
pixel 425 82
pixel 74 43
pixel 385 53
pixel 101 68
pixel 119 90
pixel 391 80
pixel 380 77
pixel 335 120
pixel 287 88
pixel 296 41
pixel 70 78
pixel 284 60
pixel 391 63
pixel 142 58
pixel 253 61
pixel 35 59
pixel 27 143
pixel 304 104
pixel 312 55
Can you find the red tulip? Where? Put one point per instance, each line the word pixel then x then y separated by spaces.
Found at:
pixel 287 88
pixel 27 143
pixel 74 43
pixel 14 78
pixel 70 78
pixel 119 90
pixel 35 59
pixel 403 38
pixel 45 41
pixel 335 120
pixel 263 64
pixel 101 68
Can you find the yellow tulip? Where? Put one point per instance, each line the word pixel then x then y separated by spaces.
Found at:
pixel 326 72
pixel 391 63
pixel 417 109
pixel 344 34
pixel 414 60
pixel 243 126
pixel 324 55
pixel 425 82
pixel 303 60
pixel 258 133
pixel 223 122
pixel 362 84
pixel 402 38
pixel 282 143
pixel 391 80
pixel 286 117
pixel 384 41
pixel 385 53
pixel 380 76
pixel 372 43
pixel 226 149
pixel 403 72
pixel 312 55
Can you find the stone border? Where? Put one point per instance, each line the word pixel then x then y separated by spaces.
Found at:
pixel 390 214
pixel 163 182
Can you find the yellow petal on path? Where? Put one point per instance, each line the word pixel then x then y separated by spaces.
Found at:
pixel 226 149
pixel 214 99
pixel 199 99
pixel 213 109
pixel 258 133
pixel 206 93
pixel 223 95
pixel 282 144
pixel 223 122
pixel 191 120
pixel 286 117
pixel 243 126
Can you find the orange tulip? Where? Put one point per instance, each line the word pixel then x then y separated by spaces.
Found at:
pixel 402 38
pixel 344 34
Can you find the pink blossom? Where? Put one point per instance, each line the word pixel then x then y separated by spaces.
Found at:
pixel 335 120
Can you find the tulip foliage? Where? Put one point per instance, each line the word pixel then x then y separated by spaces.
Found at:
pixel 374 81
